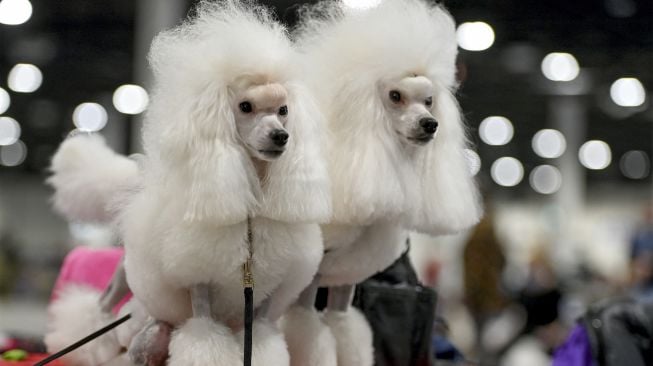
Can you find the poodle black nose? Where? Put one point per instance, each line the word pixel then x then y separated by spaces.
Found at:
pixel 429 125
pixel 279 136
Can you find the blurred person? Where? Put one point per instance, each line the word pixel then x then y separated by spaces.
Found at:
pixel 540 329
pixel 541 295
pixel 641 255
pixel 618 331
pixel 8 265
pixel 483 265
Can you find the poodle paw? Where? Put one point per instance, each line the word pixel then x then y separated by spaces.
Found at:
pixel 203 342
pixel 150 346
pixel 310 341
pixel 268 346
pixel 353 337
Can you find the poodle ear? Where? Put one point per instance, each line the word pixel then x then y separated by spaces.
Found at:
pixel 450 198
pixel 201 163
pixel 367 168
pixel 297 186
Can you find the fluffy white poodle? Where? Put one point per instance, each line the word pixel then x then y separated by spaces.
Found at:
pixel 385 78
pixel 230 134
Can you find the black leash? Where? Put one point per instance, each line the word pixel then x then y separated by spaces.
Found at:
pixel 248 290
pixel 83 341
pixel 249 301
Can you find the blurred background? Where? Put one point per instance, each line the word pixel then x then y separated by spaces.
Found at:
pixel 557 97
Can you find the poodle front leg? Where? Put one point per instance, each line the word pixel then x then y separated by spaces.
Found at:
pixel 117 290
pixel 150 346
pixel 200 299
pixel 340 297
pixel 350 329
pixel 310 341
pixel 307 297
pixel 201 341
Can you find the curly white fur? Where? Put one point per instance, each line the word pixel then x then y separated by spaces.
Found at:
pixel 376 177
pixel 189 132
pixel 74 315
pixel 202 342
pixel 187 224
pixel 268 345
pixel 310 341
pixel 353 337
pixel 347 54
pixel 382 187
pixel 87 177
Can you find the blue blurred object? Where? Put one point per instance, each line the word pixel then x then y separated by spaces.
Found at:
pixel 445 350
pixel 642 242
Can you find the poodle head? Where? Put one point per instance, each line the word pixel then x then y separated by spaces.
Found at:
pixel 385 77
pixel 408 103
pixel 261 115
pixel 226 97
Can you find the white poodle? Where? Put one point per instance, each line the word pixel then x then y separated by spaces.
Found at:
pixel 385 78
pixel 230 135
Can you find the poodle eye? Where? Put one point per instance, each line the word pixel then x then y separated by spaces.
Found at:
pixel 283 110
pixel 245 107
pixel 395 96
pixel 429 101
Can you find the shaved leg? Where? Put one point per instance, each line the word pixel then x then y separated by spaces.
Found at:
pixel 307 297
pixel 150 346
pixel 340 297
pixel 263 310
pixel 117 290
pixel 200 299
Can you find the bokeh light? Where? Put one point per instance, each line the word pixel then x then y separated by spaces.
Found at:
pixel 549 143
pixel 560 66
pixel 595 155
pixel 14 154
pixel 130 99
pixel 475 36
pixel 620 8
pixel 24 78
pixel 90 117
pixel 627 92
pixel 9 131
pixel 473 161
pixel 496 130
pixel 15 12
pixel 635 164
pixel 507 171
pixel 5 101
pixel 545 179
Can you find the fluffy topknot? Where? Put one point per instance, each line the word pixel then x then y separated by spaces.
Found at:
pixel 395 38
pixel 220 40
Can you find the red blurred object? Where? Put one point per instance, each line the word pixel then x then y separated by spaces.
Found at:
pixel 92 267
pixel 432 273
pixel 30 360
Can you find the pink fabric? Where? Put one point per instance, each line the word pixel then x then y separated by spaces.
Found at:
pixel 88 266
